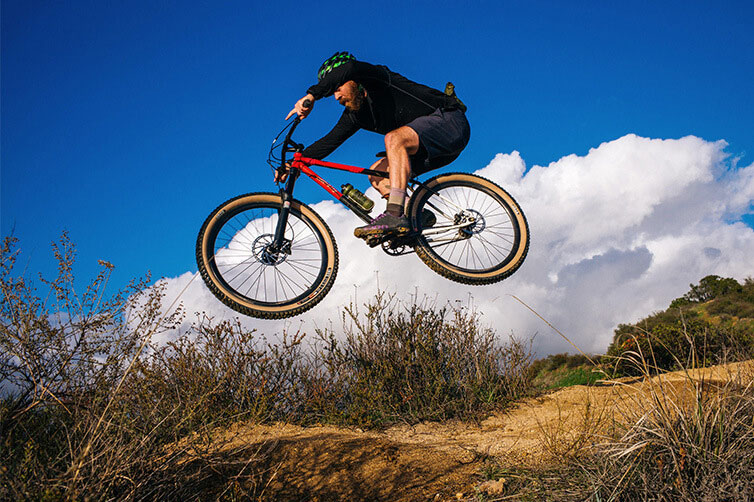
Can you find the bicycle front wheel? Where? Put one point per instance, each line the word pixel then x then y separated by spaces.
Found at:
pixel 478 235
pixel 246 272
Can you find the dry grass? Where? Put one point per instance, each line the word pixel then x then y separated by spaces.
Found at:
pixel 691 440
pixel 682 437
pixel 93 409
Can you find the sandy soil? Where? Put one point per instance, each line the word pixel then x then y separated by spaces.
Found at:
pixel 442 461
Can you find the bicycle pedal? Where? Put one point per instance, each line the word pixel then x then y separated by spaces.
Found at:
pixel 375 240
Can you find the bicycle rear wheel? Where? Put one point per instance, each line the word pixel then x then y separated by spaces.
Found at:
pixel 238 263
pixel 481 235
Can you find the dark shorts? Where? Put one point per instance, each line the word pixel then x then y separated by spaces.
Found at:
pixel 442 137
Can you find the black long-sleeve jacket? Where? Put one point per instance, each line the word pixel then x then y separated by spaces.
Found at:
pixel 392 101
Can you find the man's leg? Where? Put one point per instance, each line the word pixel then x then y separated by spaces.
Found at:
pixel 382 185
pixel 445 133
pixel 399 144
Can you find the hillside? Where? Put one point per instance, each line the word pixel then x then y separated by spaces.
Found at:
pixel 713 322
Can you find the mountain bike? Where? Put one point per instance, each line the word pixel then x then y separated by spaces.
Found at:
pixel 271 256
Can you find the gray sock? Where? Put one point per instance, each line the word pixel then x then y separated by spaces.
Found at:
pixel 396 201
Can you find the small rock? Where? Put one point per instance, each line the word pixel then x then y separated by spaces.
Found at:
pixel 493 487
pixel 459 495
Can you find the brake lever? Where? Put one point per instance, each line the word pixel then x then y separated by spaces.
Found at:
pixel 294 147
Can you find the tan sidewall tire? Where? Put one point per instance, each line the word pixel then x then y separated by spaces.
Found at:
pixel 239 303
pixel 455 273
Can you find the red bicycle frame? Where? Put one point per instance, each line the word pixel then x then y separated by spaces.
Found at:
pixel 303 164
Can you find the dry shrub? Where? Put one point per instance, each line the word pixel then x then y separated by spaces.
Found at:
pixel 90 406
pixel 575 432
pixel 413 362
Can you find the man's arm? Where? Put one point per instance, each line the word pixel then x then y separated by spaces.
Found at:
pixel 344 129
pixel 302 108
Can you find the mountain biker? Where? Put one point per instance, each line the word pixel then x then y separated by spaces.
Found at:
pixel 424 128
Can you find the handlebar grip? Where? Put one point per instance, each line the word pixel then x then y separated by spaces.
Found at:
pixel 308 103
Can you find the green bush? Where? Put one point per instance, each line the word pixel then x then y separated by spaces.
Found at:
pixel 557 361
pixel 691 333
pixel 710 287
pixel 564 370
pixel 738 304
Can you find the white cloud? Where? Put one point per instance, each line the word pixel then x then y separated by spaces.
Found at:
pixel 616 234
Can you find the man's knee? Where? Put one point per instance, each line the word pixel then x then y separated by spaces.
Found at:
pixel 403 137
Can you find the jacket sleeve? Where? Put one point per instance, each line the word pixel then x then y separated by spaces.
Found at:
pixel 358 71
pixel 344 129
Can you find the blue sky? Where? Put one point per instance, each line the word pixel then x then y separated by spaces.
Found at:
pixel 126 123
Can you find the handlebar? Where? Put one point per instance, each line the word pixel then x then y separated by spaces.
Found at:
pixel 288 145
pixel 308 103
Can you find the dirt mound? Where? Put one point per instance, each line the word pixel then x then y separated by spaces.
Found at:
pixel 441 461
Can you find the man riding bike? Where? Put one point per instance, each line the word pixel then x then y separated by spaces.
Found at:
pixel 424 128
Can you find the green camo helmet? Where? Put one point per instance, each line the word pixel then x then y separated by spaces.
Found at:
pixel 333 62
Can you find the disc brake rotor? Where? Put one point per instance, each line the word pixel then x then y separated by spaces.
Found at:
pixel 473 221
pixel 264 252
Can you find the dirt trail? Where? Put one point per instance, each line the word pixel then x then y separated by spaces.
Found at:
pixel 438 461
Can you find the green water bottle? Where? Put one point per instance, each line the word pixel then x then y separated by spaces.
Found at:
pixel 358 198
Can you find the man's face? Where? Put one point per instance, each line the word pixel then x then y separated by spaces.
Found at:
pixel 349 95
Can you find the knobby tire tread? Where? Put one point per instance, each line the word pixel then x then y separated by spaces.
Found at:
pixel 261 313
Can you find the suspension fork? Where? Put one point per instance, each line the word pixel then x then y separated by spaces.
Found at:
pixel 279 242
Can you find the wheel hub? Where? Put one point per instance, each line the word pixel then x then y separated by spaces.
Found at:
pixel 265 252
pixel 473 222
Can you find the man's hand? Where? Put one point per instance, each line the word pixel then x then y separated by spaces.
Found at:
pixel 301 109
pixel 280 177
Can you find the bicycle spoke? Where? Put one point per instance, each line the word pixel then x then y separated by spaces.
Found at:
pixel 246 265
